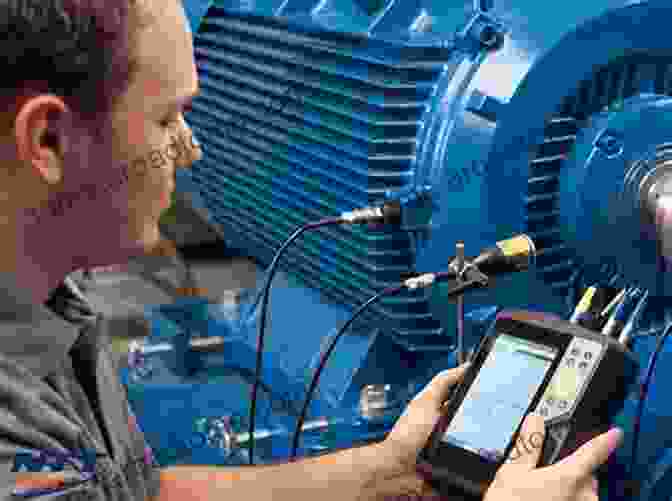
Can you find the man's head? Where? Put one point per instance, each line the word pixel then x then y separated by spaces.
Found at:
pixel 93 93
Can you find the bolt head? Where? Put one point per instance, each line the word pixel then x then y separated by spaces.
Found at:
pixel 609 143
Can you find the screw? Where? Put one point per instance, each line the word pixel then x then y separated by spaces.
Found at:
pixel 609 144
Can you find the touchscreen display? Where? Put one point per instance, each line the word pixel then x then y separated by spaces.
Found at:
pixel 496 401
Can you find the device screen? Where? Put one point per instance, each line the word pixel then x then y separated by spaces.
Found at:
pixel 503 389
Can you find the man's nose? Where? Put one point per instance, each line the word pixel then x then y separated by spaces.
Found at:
pixel 192 148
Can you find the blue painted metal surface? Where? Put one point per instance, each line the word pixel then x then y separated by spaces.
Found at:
pixel 599 191
pixel 195 10
pixel 312 108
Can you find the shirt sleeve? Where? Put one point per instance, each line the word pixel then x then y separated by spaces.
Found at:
pixel 144 459
pixel 139 467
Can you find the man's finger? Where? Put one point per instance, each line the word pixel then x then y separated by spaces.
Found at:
pixel 514 454
pixel 438 388
pixel 525 445
pixel 593 454
pixel 527 450
pixel 594 484
pixel 587 490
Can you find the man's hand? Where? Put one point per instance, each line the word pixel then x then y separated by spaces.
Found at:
pixel 571 479
pixel 400 448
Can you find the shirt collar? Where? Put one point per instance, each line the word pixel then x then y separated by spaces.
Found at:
pixel 36 336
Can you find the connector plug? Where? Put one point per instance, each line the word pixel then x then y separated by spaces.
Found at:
pixel 365 215
pixel 413 206
pixel 392 212
pixel 420 281
pixel 388 213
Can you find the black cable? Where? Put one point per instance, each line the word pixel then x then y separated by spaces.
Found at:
pixel 287 404
pixel 272 268
pixel 323 360
pixel 644 389
pixel 262 320
pixel 390 213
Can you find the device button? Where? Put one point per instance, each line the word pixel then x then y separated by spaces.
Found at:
pixel 543 411
pixel 588 355
pixel 563 404
pixel 575 352
pixel 571 362
pixel 583 366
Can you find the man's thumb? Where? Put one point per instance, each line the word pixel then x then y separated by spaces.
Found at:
pixel 591 455
pixel 439 387
pixel 528 447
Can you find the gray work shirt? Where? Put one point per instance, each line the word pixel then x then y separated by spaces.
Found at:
pixel 60 389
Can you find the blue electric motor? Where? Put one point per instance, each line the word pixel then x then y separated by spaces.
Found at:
pixel 486 119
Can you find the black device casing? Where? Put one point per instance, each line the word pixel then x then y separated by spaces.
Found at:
pixel 600 396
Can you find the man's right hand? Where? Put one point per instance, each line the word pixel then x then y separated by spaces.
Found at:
pixel 571 479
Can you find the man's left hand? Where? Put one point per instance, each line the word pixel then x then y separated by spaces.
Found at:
pixel 400 448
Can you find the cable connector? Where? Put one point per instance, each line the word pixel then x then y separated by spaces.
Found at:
pixel 368 214
pixel 617 320
pixel 388 213
pixel 420 281
pixel 626 333
pixel 412 207
pixel 584 305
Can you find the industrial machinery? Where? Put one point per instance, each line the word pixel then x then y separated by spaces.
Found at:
pixel 483 119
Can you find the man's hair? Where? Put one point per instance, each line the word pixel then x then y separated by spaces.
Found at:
pixel 79 50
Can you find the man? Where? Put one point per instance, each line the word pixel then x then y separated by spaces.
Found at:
pixel 93 97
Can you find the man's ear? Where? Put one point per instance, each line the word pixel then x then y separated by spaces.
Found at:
pixel 40 142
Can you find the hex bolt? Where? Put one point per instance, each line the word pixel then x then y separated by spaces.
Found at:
pixel 609 144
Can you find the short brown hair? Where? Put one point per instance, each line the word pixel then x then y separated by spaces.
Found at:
pixel 79 50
